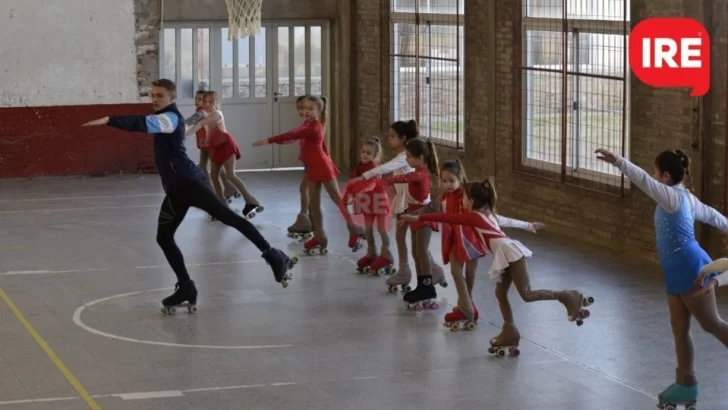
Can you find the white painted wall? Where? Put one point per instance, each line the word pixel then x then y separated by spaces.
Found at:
pixel 67 52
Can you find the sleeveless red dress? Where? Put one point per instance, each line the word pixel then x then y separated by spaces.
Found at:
pixel 418 193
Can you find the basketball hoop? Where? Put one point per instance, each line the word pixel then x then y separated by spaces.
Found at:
pixel 243 17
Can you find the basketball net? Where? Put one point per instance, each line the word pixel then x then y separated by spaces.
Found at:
pixel 243 18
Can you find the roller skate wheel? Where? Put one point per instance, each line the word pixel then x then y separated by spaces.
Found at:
pixel 418 308
pixel 391 271
pixel 470 325
pixel 308 251
pixel 324 251
pixel 585 313
pixel 588 301
pixel 690 407
pixel 579 322
pixel 515 352
pixel 443 284
pixel 294 260
pixel 491 350
pixel 500 352
pixel 381 272
pixel 284 284
pixel 169 310
pixel 454 327
pixel 670 407
pixel 434 306
pixel 446 324
pixel 251 215
pixel 192 309
pixel 367 270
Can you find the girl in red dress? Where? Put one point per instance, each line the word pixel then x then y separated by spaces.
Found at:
pixel 509 260
pixel 460 246
pixel 229 188
pixel 320 171
pixel 375 207
pixel 224 152
pixel 422 157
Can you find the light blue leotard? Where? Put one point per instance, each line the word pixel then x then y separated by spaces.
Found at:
pixel 681 257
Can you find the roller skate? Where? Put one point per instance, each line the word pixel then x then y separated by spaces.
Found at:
pixel 250 210
pixel 355 241
pixel 382 266
pixel 438 275
pixel 281 265
pixel 457 320
pixel 302 228
pixel 573 301
pixel 506 343
pixel 363 264
pixel 402 279
pixel 185 294
pixel 678 394
pixel 423 297
pixel 310 247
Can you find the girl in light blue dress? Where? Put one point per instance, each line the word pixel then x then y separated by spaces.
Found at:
pixel 681 259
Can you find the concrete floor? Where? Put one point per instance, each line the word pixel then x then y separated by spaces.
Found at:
pixel 79 259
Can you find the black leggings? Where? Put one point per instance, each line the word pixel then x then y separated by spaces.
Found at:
pixel 198 194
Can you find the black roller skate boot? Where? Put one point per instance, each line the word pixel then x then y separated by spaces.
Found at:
pixel 281 265
pixel 185 294
pixel 424 295
pixel 250 210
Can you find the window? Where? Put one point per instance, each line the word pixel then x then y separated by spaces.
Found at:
pixel 575 83
pixel 186 59
pixel 427 67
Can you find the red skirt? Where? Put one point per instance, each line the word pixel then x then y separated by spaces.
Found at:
pixel 223 147
pixel 319 168
pixel 461 242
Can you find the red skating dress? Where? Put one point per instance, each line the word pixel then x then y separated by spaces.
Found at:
pixel 418 192
pixel 201 135
pixel 372 202
pixel 458 239
pixel 314 153
pixel 222 145
pixel 490 236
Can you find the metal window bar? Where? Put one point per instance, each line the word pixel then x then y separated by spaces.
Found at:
pixel 429 69
pixel 587 97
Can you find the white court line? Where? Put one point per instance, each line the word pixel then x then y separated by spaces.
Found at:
pixel 204 264
pixel 71 198
pixel 94 208
pixel 79 322
pixel 44 272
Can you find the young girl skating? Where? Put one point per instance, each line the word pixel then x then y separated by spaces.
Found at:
pixel 320 171
pixel 509 263
pixel 681 259
pixel 200 113
pixel 400 133
pixel 375 207
pixel 302 228
pixel 422 157
pixel 460 246
pixel 223 152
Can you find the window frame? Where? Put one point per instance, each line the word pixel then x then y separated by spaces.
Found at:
pixel 569 26
pixel 420 19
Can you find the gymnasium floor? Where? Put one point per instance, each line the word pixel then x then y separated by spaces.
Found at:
pixel 78 258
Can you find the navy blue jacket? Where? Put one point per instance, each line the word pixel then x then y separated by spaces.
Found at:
pixel 170 154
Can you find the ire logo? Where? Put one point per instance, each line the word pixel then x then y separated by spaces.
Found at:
pixel 671 52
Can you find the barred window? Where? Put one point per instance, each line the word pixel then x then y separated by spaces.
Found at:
pixel 427 67
pixel 575 87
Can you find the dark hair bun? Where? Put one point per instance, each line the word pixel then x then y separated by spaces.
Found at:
pixel 684 158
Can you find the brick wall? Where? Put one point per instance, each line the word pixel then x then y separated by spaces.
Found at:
pixel 660 119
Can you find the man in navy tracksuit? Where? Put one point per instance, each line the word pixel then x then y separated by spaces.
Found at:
pixel 185 185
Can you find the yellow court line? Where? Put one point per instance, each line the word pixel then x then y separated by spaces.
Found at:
pixel 51 354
